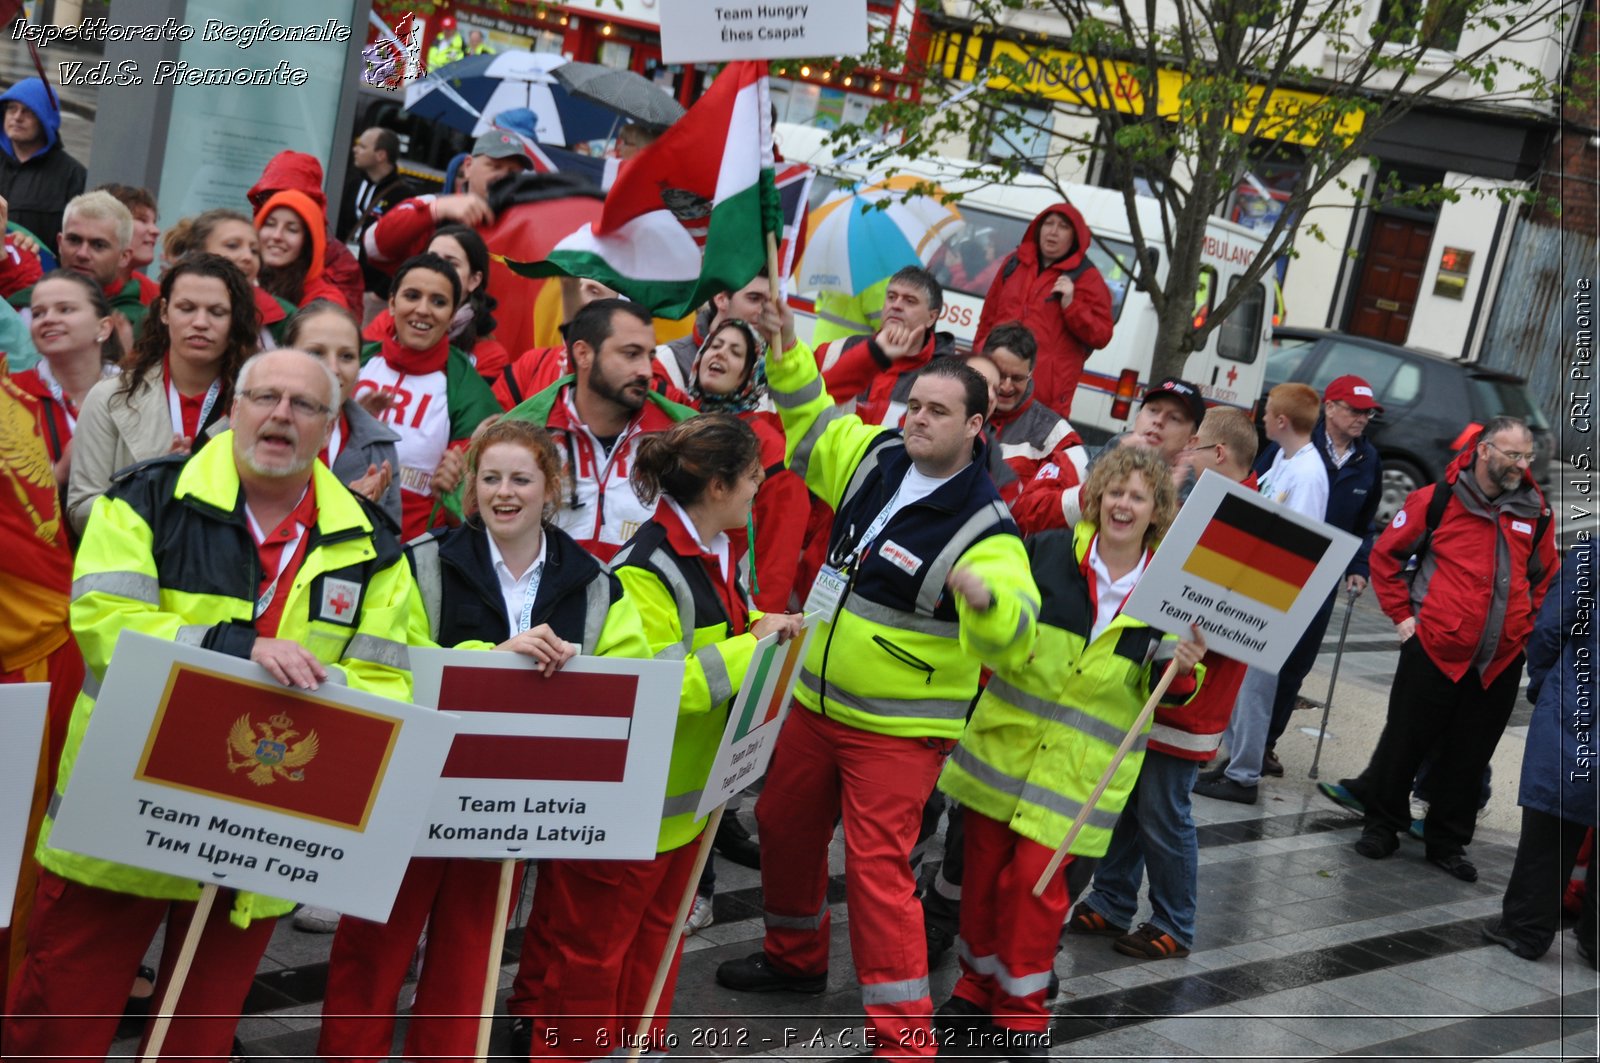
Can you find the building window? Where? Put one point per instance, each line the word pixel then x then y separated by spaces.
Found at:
pixel 1028 139
pixel 1432 23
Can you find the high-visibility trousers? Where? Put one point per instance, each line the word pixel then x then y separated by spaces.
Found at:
pixel 822 769
pixel 85 945
pixel 455 900
pixel 604 926
pixel 1008 936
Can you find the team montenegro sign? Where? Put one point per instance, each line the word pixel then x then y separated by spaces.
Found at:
pixel 197 764
pixel 715 31
pixel 1249 572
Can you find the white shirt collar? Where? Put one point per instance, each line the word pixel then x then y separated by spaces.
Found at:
pixel 717 547
pixel 512 588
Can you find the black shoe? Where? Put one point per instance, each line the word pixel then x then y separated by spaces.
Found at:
pixel 1457 864
pixel 1270 764
pixel 1493 933
pixel 1053 989
pixel 521 1036
pixel 756 974
pixel 1377 843
pixel 1020 1044
pixel 1213 774
pixel 939 941
pixel 1225 789
pixel 963 1029
pixel 735 843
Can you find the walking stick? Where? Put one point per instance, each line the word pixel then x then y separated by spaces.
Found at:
pixel 497 941
pixel 1128 741
pixel 180 974
pixel 1338 655
pixel 642 1031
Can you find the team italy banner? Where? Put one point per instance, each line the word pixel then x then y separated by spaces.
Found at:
pixel 199 765
pixel 687 217
pixel 1250 572
pixel 756 717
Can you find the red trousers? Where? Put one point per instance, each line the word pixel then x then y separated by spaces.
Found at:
pixel 63 670
pixel 1008 936
pixel 604 927
pixel 84 949
pixel 820 770
pixel 455 900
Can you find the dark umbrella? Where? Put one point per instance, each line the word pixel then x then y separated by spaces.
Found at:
pixel 634 97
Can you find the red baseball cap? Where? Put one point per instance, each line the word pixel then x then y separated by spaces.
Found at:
pixel 1353 392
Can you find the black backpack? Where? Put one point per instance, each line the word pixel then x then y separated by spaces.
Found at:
pixel 1436 506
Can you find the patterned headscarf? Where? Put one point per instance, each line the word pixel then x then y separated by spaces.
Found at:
pixel 751 392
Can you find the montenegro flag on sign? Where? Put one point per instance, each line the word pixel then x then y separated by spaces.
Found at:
pixel 262 745
pixel 1256 553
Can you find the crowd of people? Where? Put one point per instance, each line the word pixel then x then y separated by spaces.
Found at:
pixel 288 400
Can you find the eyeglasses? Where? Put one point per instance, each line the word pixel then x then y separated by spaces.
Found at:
pixel 268 398
pixel 1199 446
pixel 1514 456
pixel 1351 410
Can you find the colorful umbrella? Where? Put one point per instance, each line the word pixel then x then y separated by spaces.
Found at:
pixel 852 243
pixel 490 84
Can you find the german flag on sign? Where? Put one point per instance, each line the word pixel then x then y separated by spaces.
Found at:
pixel 1255 552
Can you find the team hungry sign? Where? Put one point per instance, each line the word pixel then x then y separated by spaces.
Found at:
pixel 200 765
pixel 710 31
pixel 1249 572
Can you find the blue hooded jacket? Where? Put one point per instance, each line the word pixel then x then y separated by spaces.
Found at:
pixel 38 190
pixel 1558 768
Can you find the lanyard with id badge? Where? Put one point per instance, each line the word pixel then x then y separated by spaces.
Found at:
pixel 833 578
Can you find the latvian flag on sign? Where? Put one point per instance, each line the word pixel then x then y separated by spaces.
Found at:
pixel 1253 551
pixel 518 724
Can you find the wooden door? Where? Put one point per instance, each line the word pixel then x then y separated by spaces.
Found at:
pixel 1391 275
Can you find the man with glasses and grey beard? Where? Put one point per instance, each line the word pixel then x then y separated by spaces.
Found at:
pixel 1463 617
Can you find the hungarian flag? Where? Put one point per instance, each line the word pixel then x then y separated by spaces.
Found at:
pixel 688 216
pixel 263 745
pixel 1249 549
pixel 519 724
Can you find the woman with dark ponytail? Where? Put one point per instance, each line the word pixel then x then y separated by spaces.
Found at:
pixel 682 563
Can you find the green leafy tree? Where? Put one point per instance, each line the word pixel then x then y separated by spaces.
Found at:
pixel 1185 95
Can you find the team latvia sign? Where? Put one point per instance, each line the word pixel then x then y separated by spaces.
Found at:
pixel 1251 573
pixel 569 765
pixel 199 765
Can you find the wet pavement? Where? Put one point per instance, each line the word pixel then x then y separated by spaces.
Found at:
pixel 1305 950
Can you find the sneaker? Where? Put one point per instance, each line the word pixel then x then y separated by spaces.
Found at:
pixel 1416 830
pixel 1270 764
pixel 1148 943
pixel 1377 843
pixel 316 920
pixel 1339 793
pixel 1091 923
pixel 700 915
pixel 939 942
pixel 521 1036
pixel 756 974
pixel 1225 789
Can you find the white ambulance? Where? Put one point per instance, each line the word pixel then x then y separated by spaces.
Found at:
pixel 992 221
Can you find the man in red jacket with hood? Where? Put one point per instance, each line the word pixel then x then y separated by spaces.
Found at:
pixel 298 172
pixel 1049 285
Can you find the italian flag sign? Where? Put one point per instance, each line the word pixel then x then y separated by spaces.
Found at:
pixel 687 216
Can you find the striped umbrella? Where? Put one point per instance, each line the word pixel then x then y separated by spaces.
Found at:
pixel 853 243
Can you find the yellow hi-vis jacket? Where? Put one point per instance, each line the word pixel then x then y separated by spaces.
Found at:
pixel 172 525
pixel 684 620
pixel 902 654
pixel 1044 733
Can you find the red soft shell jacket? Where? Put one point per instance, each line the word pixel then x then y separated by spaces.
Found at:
pixel 1456 589
pixel 1067 332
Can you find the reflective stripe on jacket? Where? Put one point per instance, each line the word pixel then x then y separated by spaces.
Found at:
pixel 1043 733
pixel 686 619
pixel 168 553
pixel 902 656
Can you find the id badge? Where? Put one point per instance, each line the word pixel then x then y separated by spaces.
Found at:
pixel 826 592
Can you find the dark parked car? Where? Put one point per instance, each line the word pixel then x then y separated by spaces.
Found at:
pixel 1427 401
